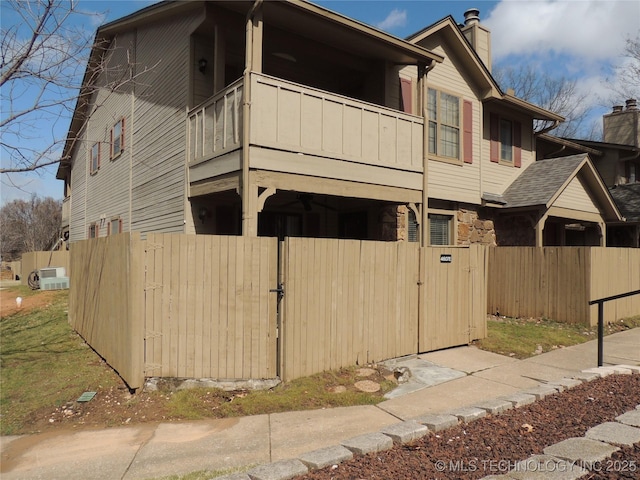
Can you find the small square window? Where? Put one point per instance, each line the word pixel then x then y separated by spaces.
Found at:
pixel 94 230
pixel 94 164
pixel 117 139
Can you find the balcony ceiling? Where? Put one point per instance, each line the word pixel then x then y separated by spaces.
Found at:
pixel 319 24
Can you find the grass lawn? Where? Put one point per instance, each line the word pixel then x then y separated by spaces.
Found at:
pixel 43 362
pixel 520 338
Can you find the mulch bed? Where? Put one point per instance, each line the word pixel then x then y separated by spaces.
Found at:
pixel 494 444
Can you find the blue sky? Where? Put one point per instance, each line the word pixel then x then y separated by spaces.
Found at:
pixel 578 39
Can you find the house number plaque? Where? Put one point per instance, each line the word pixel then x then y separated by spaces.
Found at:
pixel 445 258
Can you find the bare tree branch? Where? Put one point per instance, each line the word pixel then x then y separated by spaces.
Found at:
pixel 559 95
pixel 44 59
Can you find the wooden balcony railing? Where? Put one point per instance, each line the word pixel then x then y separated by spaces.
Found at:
pixel 295 118
pixel 215 126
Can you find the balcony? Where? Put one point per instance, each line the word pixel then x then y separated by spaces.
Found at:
pixel 307 131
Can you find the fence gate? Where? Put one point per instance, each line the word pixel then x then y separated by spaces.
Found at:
pixel 453 297
pixel 208 309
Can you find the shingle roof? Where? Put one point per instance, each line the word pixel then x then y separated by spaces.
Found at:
pixel 627 197
pixel 538 184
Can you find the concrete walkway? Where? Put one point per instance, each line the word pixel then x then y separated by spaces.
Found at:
pixel 459 378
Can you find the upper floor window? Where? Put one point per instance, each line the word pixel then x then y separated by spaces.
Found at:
pixel 506 140
pixel 117 139
pixel 94 161
pixel 444 124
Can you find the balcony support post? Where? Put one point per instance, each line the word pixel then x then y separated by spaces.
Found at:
pixel 253 61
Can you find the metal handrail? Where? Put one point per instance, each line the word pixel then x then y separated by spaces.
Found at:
pixel 600 303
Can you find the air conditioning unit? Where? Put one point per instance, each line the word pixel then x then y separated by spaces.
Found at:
pixel 56 283
pixel 52 272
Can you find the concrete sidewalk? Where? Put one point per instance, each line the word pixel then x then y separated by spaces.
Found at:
pixel 158 450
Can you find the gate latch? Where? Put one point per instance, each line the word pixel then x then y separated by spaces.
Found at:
pixel 279 290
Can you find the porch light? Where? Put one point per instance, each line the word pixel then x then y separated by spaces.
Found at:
pixel 202 214
pixel 202 65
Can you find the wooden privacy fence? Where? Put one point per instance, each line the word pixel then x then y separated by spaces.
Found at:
pixel 209 312
pixel 35 260
pixel 559 282
pixel 351 302
pixel 106 301
pixel 201 306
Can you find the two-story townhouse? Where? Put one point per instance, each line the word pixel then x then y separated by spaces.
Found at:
pixel 285 118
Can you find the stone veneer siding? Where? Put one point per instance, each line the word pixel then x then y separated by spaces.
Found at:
pixel 393 221
pixel 473 229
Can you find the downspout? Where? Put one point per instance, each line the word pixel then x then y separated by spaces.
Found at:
pixel 424 221
pixel 247 216
pixel 548 129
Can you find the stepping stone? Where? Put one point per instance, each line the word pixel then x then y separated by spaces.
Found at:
pixel 365 372
pixel 367 386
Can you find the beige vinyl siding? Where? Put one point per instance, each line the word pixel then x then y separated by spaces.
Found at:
pixel 496 177
pixel 575 197
pixel 158 180
pixel 77 230
pixel 106 193
pixel 447 180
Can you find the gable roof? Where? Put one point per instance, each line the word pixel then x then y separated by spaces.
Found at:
pixel 543 182
pixel 627 198
pixel 479 71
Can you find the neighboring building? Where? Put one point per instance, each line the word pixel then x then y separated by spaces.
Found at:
pixel 617 160
pixel 284 118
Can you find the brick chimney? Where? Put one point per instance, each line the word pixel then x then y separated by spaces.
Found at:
pixel 478 35
pixel 622 125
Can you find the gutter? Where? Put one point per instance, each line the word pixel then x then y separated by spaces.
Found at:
pixel 425 154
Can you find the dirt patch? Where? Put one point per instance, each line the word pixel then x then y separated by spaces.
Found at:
pixel 117 406
pixel 494 444
pixel 8 304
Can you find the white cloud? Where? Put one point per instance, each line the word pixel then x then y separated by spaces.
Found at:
pixel 592 29
pixel 395 19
